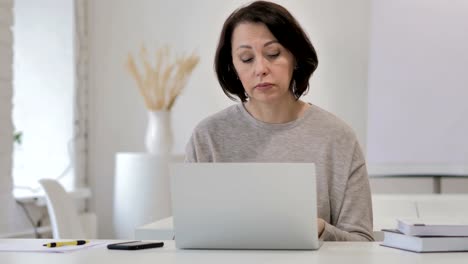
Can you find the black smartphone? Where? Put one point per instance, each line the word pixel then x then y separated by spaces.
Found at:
pixel 135 245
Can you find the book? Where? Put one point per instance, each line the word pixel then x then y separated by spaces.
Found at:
pixel 395 239
pixel 440 226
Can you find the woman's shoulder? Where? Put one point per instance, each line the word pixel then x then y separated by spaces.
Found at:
pixel 330 123
pixel 220 120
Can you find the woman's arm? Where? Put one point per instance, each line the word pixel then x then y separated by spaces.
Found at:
pixel 354 220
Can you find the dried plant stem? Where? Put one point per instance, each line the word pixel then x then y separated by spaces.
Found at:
pixel 161 85
pixel 131 67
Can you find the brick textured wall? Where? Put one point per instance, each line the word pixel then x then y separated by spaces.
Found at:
pixel 81 95
pixel 11 217
pixel 6 92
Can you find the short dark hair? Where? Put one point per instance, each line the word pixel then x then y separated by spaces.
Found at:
pixel 286 30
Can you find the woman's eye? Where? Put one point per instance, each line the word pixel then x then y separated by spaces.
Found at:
pixel 274 55
pixel 246 60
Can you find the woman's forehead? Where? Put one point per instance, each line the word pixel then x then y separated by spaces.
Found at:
pixel 247 34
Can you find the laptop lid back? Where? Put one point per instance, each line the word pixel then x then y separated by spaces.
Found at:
pixel 244 205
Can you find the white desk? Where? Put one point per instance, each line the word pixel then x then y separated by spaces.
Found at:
pixel 330 252
pixel 159 230
pixel 164 230
pixel 387 209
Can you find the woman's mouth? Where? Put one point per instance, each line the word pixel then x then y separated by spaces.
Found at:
pixel 263 86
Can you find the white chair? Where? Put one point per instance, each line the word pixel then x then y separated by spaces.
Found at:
pixel 64 218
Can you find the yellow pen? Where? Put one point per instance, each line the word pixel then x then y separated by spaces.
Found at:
pixel 66 243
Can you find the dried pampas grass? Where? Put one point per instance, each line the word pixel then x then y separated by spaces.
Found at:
pixel 162 84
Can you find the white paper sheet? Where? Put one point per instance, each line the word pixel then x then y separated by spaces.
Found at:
pixel 19 245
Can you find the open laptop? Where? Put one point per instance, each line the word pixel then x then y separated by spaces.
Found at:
pixel 244 205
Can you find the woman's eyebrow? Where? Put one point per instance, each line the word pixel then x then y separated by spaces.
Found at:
pixel 270 42
pixel 264 45
pixel 244 46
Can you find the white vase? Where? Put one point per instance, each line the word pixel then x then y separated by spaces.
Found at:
pixel 159 133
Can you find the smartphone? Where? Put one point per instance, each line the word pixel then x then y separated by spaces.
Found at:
pixel 135 245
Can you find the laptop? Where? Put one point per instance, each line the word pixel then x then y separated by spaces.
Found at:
pixel 244 205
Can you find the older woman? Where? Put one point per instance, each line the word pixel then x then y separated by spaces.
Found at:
pixel 265 59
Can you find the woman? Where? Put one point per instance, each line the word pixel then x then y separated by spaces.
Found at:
pixel 265 59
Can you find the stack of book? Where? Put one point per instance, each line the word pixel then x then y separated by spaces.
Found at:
pixel 428 235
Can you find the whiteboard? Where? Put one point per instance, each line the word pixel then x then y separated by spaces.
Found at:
pixel 418 88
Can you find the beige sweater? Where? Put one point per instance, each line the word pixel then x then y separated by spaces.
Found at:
pixel 344 198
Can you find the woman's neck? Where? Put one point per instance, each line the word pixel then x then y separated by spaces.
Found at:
pixel 277 113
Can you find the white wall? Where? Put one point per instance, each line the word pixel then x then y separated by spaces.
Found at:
pixel 338 29
pixel 418 88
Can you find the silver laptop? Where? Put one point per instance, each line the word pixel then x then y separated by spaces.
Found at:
pixel 244 205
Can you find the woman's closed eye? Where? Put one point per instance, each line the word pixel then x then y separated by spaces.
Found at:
pixel 273 55
pixel 246 60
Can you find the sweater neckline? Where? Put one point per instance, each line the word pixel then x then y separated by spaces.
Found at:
pixel 281 126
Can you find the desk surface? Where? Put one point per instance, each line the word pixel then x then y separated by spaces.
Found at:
pixel 160 230
pixel 330 252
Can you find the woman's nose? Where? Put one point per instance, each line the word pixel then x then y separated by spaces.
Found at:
pixel 261 67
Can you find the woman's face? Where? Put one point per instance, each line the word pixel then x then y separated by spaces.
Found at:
pixel 263 65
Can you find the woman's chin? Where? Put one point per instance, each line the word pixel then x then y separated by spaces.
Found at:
pixel 272 98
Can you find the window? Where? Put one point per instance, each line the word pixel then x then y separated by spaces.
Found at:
pixel 43 87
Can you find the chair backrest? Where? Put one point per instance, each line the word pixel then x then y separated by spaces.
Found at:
pixel 62 211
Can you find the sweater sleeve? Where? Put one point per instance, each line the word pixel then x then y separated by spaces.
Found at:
pixel 190 152
pixel 198 148
pixel 354 222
